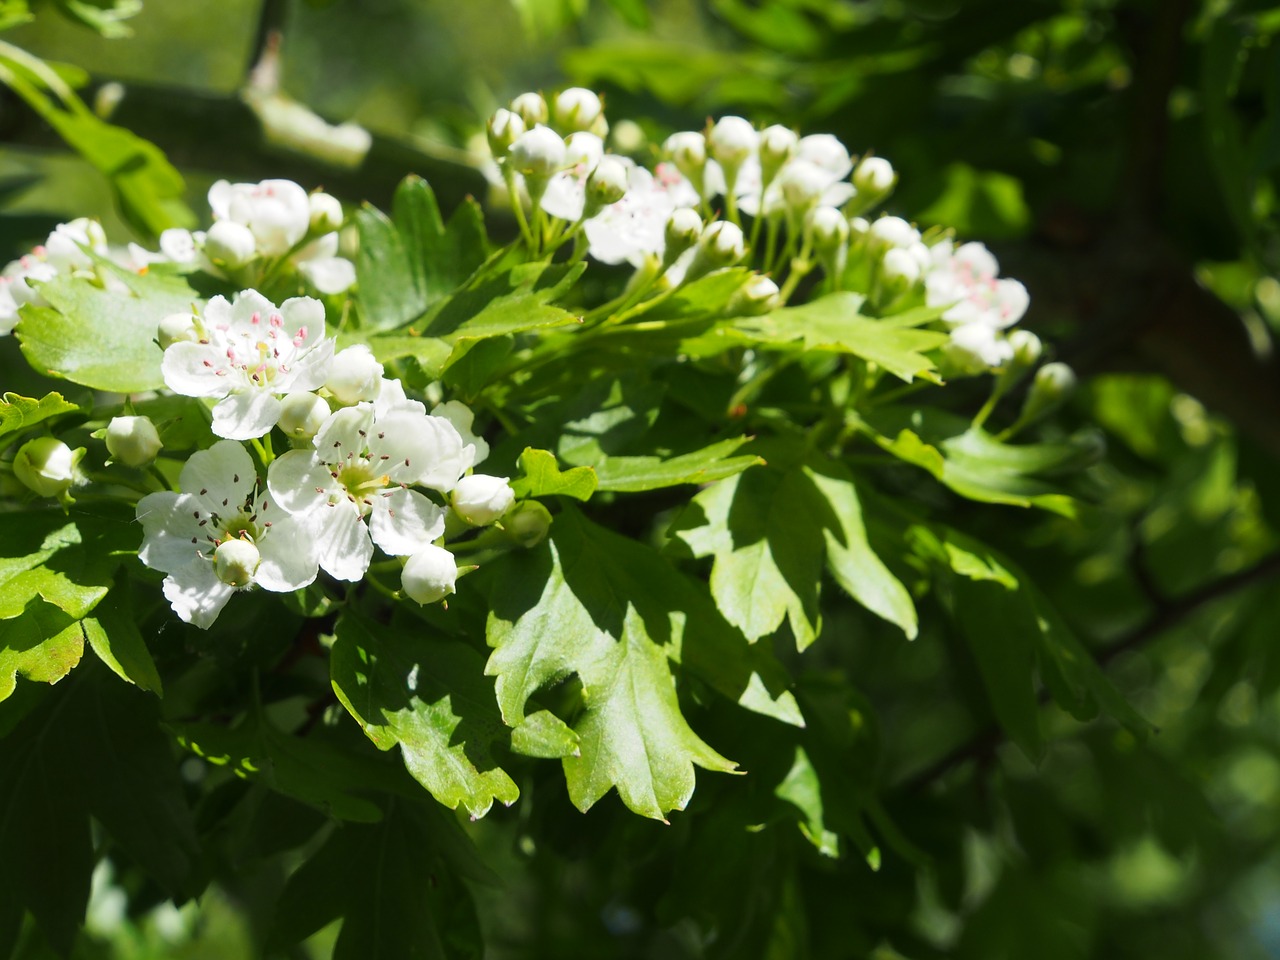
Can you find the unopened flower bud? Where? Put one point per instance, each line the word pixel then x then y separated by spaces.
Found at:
pixel 758 296
pixel 430 574
pixel 802 185
pixel 47 466
pixel 828 229
pixel 480 500
pixel 326 212
pixel 723 243
pixel 176 327
pixel 576 109
pixel 629 138
pixel 530 108
pixel 302 415
pixel 1026 348
pixel 354 376
pixel 527 523
pixel 777 146
pixel 894 232
pixel 230 244
pixel 873 178
pixel 730 141
pixel 1053 383
pixel 538 153
pixel 688 151
pixel 504 128
pixel 684 227
pixel 583 149
pixel 134 441
pixel 607 183
pixel 900 269
pixel 235 561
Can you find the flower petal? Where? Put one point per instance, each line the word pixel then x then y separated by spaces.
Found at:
pixel 246 415
pixel 329 274
pixel 403 522
pixel 345 547
pixel 345 434
pixel 223 472
pixel 196 594
pixel 167 527
pixel 300 483
pixel 192 370
pixel 290 556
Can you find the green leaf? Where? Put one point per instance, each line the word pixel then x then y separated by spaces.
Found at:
pixel 850 559
pixel 104 16
pixel 834 323
pixel 803 790
pixel 961 554
pixel 543 734
pixel 21 413
pixel 43 645
pixel 611 612
pixel 978 467
pixel 430 697
pixel 767 547
pixel 100 338
pixel 113 633
pixel 541 477
pixel 635 474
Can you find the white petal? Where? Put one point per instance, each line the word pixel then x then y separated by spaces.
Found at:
pixel 290 556
pixel 223 472
pixel 246 415
pixel 304 317
pixel 566 196
pixel 299 482
pixel 191 369
pixel 345 547
pixel 329 274
pixel 167 526
pixel 310 371
pixel 838 194
pixel 404 522
pixel 345 433
pixel 248 303
pixel 196 593
pixel 462 417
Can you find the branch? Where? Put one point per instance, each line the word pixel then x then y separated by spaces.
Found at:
pixel 983 746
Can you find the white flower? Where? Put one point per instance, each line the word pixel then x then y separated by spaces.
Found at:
pixel 566 192
pixel 429 574
pixel 355 484
pixel 635 226
pixel 538 153
pixel 814 175
pixel 276 211
pixel 731 140
pixel 462 417
pixel 577 109
pixel 230 244
pixel 249 354
pixel 967 278
pixel 134 441
pixel 15 291
pixel 900 268
pixel 977 348
pixel 894 232
pixel 323 268
pixel 186 535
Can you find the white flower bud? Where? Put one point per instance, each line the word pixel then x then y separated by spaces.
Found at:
pixel 302 415
pixel 629 137
pixel 47 466
pixel 730 141
pixel 859 227
pixel 583 149
pixel 354 376
pixel 235 561
pixel 873 178
pixel 530 108
pixel 134 441
pixel 538 153
pixel 802 185
pixel 577 109
pixel 900 269
pixel 1026 348
pixel 758 296
pixel 607 183
pixel 230 244
pixel 528 523
pixel 1052 384
pixel 894 232
pixel 723 243
pixel 430 574
pixel 777 146
pixel 505 127
pixel 326 212
pixel 688 151
pixel 828 229
pixel 176 327
pixel 684 227
pixel 480 500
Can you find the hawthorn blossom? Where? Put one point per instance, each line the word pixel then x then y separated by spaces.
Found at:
pixel 250 353
pixel 635 226
pixel 220 535
pixel 967 278
pixel 277 212
pixel 355 483
pixel 63 252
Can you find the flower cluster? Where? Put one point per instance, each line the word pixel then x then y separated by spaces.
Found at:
pixel 66 251
pixel 807 198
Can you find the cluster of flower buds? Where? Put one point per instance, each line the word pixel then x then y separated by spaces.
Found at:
pixel 257 227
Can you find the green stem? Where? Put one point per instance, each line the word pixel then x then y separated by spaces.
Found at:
pixel 513 195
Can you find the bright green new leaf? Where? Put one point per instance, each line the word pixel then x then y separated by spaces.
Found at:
pixel 833 322
pixel 430 697
pixel 103 338
pixel 803 789
pixel 540 477
pixel 636 474
pixel 43 644
pixel 20 413
pixel 590 603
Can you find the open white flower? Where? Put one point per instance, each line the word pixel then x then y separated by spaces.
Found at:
pixel 355 483
pixel 277 212
pixel 220 534
pixel 635 226
pixel 967 279
pixel 250 353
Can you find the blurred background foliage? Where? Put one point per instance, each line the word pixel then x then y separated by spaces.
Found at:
pixel 1121 158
